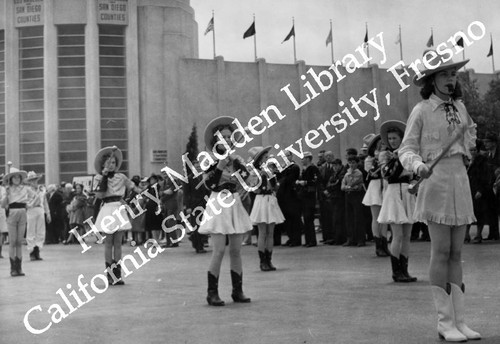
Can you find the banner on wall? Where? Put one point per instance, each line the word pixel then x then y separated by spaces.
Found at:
pixel 28 12
pixel 112 12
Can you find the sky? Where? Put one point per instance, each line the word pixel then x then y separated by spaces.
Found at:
pixel 273 21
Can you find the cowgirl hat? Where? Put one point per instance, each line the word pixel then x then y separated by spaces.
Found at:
pixel 372 145
pixel 32 175
pixel 426 72
pixel 14 172
pixel 390 124
pixel 213 124
pixel 107 152
pixel 257 152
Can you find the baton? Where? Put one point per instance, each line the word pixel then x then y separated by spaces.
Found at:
pixel 413 188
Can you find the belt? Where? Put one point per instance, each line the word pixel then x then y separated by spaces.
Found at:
pixel 17 206
pixel 112 199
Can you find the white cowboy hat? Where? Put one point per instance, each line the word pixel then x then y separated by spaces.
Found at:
pixel 106 151
pixel 13 172
pixel 426 72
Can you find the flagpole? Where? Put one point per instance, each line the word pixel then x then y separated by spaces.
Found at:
pixel 294 50
pixel 367 46
pixel 492 55
pixel 331 43
pixel 255 38
pixel 432 35
pixel 400 44
pixel 213 31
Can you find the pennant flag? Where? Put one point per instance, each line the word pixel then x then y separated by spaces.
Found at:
pixel 430 42
pixel 490 53
pixel 329 39
pixel 398 39
pixel 366 37
pixel 210 26
pixel 290 34
pixel 460 42
pixel 250 31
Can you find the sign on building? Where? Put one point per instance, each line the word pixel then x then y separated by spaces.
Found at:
pixel 159 156
pixel 28 12
pixel 112 12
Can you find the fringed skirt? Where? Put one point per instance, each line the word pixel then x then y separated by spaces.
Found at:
pixel 373 195
pixel 266 210
pixel 398 205
pixel 445 197
pixel 232 219
pixel 108 222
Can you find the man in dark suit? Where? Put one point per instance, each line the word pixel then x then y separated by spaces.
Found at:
pixel 491 201
pixel 56 204
pixel 308 183
pixel 325 203
pixel 289 202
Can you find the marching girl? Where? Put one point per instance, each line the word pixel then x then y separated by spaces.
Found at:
pixel 230 223
pixel 111 189
pixel 38 207
pixel 15 199
pixel 373 195
pixel 266 212
pixel 444 199
pixel 397 204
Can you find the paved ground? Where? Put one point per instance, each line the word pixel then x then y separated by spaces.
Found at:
pixel 327 294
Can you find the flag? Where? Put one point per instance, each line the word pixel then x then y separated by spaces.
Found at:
pixel 329 39
pixel 250 31
pixel 398 39
pixel 430 42
pixel 460 42
pixel 490 53
pixel 366 38
pixel 290 34
pixel 210 26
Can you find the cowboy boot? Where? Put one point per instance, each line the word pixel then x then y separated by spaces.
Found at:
pixel 33 255
pixel 108 274
pixel 457 297
pixel 404 268
pixel 444 307
pixel 397 274
pixel 269 256
pixel 264 266
pixel 237 295
pixel 1 250
pixel 379 251
pixel 13 268
pixel 213 298
pixel 385 247
pixel 117 270
pixel 18 262
pixel 37 253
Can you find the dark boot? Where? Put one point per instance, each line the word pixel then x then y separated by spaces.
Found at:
pixel 118 273
pixel 18 262
pixel 1 249
pixel 213 298
pixel 108 275
pixel 397 274
pixel 13 268
pixel 33 255
pixel 37 253
pixel 264 266
pixel 385 247
pixel 269 256
pixel 404 268
pixel 378 247
pixel 237 294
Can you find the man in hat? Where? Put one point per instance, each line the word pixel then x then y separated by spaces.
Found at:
pixel 38 208
pixel 490 200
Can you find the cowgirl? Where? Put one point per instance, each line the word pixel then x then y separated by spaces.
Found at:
pixel 38 207
pixel 266 212
pixel 398 204
pixel 444 198
pixel 373 195
pixel 229 223
pixel 15 199
pixel 111 189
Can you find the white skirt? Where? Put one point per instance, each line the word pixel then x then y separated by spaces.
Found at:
pixel 373 195
pixel 121 221
pixel 232 219
pixel 266 210
pixel 398 205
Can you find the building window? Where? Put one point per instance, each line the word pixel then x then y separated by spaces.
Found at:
pixel 2 98
pixel 113 89
pixel 31 114
pixel 71 101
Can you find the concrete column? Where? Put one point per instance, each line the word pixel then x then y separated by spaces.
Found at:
pixel 50 108
pixel 132 58
pixel 12 139
pixel 92 93
pixel 263 94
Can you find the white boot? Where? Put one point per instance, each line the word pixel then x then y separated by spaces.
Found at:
pixel 457 296
pixel 446 322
